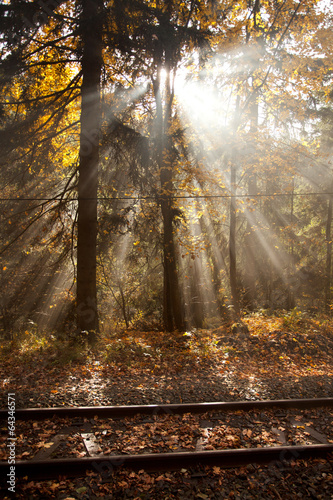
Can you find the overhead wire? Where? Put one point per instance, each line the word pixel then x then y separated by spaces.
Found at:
pixel 159 197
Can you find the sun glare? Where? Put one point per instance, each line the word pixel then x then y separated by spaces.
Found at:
pixel 205 101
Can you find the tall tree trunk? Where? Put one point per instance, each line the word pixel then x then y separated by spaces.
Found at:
pixel 291 303
pixel 251 249
pixel 233 220
pixel 173 310
pixel 232 242
pixel 328 253
pixel 266 275
pixel 173 314
pixel 198 296
pixel 250 241
pixel 91 65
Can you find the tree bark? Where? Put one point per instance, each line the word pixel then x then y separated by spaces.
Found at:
pixel 328 253
pixel 233 220
pixel 232 242
pixel 91 65
pixel 173 310
pixel 250 240
pixel 173 315
pixel 291 303
pixel 251 250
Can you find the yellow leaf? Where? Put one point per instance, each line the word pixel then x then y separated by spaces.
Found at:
pixel 48 445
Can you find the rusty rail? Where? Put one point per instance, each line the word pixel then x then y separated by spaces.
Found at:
pixel 105 464
pixel 172 409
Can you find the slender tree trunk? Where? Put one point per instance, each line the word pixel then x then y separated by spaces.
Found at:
pixel 328 253
pixel 266 275
pixel 251 250
pixel 173 302
pixel 291 296
pixel 250 241
pixel 233 221
pixel 232 242
pixel 196 291
pixel 173 310
pixel 173 314
pixel 91 64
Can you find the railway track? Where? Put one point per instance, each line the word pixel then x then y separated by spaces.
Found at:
pixel 179 409
pixel 86 420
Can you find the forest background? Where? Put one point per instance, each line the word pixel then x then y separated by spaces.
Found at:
pixel 163 164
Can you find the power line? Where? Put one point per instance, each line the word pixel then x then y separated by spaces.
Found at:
pixel 175 197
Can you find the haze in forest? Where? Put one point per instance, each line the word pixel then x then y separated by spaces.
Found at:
pixel 164 163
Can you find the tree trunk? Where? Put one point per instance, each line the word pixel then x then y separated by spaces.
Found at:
pixel 91 64
pixel 173 310
pixel 291 303
pixel 250 241
pixel 328 253
pixel 232 242
pixel 251 250
pixel 233 221
pixel 197 298
pixel 173 315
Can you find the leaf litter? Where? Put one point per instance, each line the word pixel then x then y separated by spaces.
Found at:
pixel 270 362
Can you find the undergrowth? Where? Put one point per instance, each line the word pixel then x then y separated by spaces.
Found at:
pixel 149 348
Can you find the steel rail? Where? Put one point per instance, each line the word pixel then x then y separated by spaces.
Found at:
pixel 105 465
pixel 178 409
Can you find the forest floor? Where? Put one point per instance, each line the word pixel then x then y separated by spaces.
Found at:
pixel 285 356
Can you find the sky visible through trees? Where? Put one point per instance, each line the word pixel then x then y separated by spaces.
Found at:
pixel 164 162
